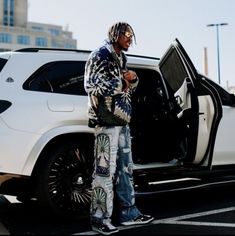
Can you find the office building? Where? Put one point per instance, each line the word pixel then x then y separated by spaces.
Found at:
pixel 17 32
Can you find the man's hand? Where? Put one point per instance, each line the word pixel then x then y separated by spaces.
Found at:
pixel 129 75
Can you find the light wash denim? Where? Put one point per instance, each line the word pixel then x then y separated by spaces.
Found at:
pixel 113 166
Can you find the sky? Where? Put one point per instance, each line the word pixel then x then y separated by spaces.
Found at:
pixel 156 24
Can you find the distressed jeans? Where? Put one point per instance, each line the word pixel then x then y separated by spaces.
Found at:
pixel 113 166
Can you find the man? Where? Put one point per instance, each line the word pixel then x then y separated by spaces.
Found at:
pixel 109 85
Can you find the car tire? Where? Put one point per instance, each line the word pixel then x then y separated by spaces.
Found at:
pixel 64 180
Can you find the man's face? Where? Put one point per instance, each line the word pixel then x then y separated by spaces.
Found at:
pixel 125 39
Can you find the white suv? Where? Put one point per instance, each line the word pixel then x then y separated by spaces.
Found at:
pixel 46 146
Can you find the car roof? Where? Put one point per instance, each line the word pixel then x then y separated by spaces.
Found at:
pixel 132 58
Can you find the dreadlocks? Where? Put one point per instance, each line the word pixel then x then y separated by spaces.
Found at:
pixel 116 29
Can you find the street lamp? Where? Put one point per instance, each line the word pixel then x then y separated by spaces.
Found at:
pixel 218 52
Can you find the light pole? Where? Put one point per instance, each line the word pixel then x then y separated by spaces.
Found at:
pixel 218 52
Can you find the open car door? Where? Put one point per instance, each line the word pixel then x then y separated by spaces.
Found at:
pixel 199 104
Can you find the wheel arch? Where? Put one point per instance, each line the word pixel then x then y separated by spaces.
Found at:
pixel 39 152
pixel 85 139
pixel 75 181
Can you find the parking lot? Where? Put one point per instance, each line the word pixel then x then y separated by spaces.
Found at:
pixel 207 211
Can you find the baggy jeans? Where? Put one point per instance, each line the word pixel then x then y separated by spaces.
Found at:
pixel 113 166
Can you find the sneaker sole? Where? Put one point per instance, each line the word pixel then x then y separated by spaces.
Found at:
pixel 137 222
pixel 104 233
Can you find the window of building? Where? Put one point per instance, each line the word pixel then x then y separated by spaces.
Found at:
pixel 40 41
pixel 54 32
pixel 5 20
pixel 23 39
pixel 11 7
pixel 5 38
pixel 8 12
pixel 56 44
pixel 64 77
pixel 5 12
pixel 37 28
pixel 69 46
pixel 11 16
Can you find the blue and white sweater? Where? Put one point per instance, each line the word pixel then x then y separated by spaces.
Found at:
pixel 109 100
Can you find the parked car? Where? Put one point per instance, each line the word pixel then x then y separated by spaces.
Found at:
pixel 182 126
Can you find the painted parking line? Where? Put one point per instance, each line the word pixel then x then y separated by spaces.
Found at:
pixel 180 220
pixel 204 213
pixel 229 225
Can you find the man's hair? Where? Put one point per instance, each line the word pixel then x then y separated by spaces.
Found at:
pixel 116 29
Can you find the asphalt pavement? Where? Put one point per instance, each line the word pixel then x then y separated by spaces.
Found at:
pixel 208 211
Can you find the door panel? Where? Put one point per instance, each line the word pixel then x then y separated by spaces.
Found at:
pixel 206 115
pixel 183 96
pixel 198 103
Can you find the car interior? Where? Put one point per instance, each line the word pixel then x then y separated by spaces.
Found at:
pixel 158 135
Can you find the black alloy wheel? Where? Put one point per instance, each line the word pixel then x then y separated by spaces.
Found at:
pixel 64 181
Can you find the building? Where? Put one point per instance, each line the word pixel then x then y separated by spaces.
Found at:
pixel 16 32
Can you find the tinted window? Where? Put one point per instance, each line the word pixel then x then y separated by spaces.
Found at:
pixel 173 71
pixel 227 99
pixel 58 77
pixel 2 63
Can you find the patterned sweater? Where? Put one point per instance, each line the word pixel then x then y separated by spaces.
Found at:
pixel 109 100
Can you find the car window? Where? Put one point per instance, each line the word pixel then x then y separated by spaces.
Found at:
pixel 173 71
pixel 227 99
pixel 64 77
pixel 2 63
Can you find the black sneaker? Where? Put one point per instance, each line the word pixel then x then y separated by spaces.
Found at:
pixel 139 220
pixel 104 228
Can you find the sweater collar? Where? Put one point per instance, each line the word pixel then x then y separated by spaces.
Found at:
pixel 120 59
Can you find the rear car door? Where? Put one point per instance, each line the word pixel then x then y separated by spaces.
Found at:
pixel 198 103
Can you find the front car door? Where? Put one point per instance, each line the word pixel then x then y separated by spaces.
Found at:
pixel 198 101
